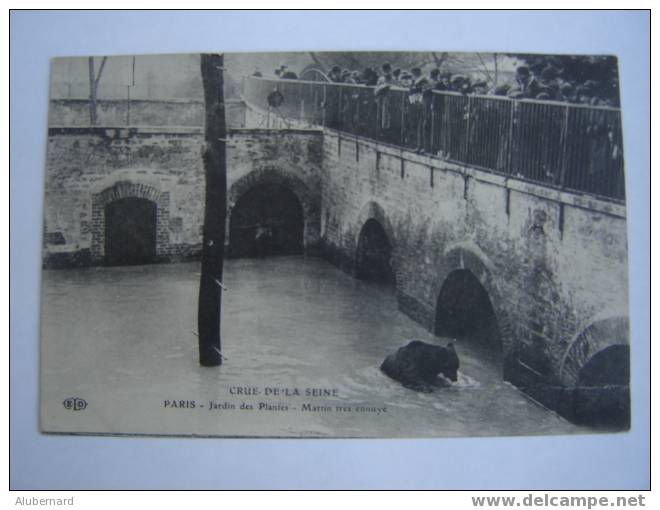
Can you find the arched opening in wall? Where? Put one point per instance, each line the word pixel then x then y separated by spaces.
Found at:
pixel 464 312
pixel 267 220
pixel 602 395
pixel 130 231
pixel 374 254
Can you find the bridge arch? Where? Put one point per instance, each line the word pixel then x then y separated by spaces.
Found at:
pixel 133 198
pixel 375 249
pixel 596 367
pixel 599 333
pixel 465 275
pixel 373 210
pixel 290 188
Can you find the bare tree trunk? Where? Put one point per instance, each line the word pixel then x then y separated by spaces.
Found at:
pixel 93 89
pixel 215 210
pixel 92 93
pixel 495 62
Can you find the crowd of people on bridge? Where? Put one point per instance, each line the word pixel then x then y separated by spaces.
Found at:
pixel 530 83
pixel 499 135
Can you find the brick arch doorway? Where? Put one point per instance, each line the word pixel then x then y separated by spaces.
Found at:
pixel 147 200
pixel 130 231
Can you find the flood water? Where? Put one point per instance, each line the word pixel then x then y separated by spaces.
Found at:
pixel 123 339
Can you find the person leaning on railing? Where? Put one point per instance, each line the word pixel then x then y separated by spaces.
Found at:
pixel 347 77
pixel 444 82
pixel 420 85
pixel 369 77
pixel 382 95
pixel 396 74
pixel 433 83
pixel 405 80
pixel 527 85
pixel 501 133
pixel 335 74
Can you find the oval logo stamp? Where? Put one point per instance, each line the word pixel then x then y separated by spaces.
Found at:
pixel 74 404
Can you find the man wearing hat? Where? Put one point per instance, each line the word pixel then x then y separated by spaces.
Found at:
pixel 416 98
pixel 382 93
pixel 285 74
pixel 462 84
pixel 335 74
pixel 405 80
pixel 528 86
pixel 369 77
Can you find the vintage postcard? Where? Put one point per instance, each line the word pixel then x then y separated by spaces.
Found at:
pixel 319 244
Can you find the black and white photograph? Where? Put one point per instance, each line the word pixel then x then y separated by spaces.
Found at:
pixel 335 245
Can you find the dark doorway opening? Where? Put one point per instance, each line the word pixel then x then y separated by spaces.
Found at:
pixel 130 232
pixel 267 220
pixel 464 311
pixel 374 253
pixel 602 395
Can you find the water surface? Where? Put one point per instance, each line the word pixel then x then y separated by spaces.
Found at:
pixel 123 339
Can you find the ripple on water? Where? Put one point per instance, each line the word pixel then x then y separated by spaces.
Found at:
pixel 287 322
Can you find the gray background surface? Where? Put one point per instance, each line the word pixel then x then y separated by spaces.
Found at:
pixel 63 462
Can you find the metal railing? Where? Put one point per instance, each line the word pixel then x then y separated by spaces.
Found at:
pixel 569 146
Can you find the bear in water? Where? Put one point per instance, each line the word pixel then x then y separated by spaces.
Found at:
pixel 418 364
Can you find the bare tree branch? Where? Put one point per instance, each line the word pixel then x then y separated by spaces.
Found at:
pixel 317 61
pixel 439 60
pixel 485 70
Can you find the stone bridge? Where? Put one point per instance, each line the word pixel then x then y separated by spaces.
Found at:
pixel 539 273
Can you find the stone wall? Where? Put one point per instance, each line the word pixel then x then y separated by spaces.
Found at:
pixel 86 168
pixel 116 112
pixel 553 263
pixel 291 158
pixel 139 112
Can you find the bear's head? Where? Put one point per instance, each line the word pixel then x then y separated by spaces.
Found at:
pixel 448 363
